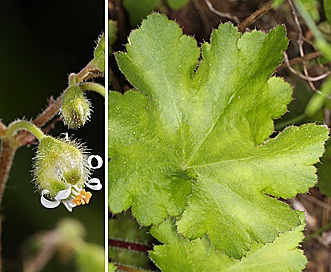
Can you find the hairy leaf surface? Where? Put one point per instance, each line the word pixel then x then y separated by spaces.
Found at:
pixel 192 141
pixel 199 255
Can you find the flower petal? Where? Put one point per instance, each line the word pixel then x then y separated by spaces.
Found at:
pixel 99 161
pixel 69 205
pixel 48 203
pixel 94 184
pixel 63 194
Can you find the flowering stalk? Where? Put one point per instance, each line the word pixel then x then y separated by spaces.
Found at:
pixel 92 86
pixel 14 127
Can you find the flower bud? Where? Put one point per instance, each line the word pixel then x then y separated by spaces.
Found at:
pixel 61 172
pixel 76 108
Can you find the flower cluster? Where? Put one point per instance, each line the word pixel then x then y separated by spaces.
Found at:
pixel 61 172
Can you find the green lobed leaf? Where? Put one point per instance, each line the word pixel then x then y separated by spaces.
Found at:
pixel 237 192
pixel 192 142
pixel 179 254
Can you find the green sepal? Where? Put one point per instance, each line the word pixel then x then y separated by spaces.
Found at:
pixel 58 164
pixel 76 108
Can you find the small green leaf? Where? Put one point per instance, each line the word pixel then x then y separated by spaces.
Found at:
pixel 179 254
pixel 99 53
pixel 111 267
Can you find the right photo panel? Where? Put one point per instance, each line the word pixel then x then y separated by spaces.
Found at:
pixel 218 128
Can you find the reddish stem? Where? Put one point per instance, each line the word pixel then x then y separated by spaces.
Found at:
pixel 129 245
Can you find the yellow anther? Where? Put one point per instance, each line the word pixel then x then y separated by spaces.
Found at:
pixel 86 196
pixel 83 198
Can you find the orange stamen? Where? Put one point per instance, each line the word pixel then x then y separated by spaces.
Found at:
pixel 83 198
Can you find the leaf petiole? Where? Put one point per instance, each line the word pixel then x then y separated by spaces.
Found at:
pixel 294 120
pixel 317 232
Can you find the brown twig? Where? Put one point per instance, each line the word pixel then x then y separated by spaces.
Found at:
pixel 303 76
pixel 222 14
pixel 300 45
pixel 254 16
pixel 298 60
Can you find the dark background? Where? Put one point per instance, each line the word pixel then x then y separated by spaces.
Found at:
pixel 41 43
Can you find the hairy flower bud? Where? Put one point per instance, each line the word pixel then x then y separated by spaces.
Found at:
pixel 76 108
pixel 61 172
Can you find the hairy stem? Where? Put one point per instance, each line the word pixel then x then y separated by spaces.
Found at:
pixel 318 232
pixel 130 269
pixel 92 86
pixel 255 16
pixel 48 114
pixel 6 161
pixel 292 121
pixel 24 125
pixel 88 72
pixel 129 245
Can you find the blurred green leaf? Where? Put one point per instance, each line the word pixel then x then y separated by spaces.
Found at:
pixel 177 4
pixel 112 31
pixel 327 10
pixel 90 257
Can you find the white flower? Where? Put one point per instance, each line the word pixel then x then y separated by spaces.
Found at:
pixel 71 197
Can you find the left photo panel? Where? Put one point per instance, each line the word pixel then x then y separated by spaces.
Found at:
pixel 52 136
